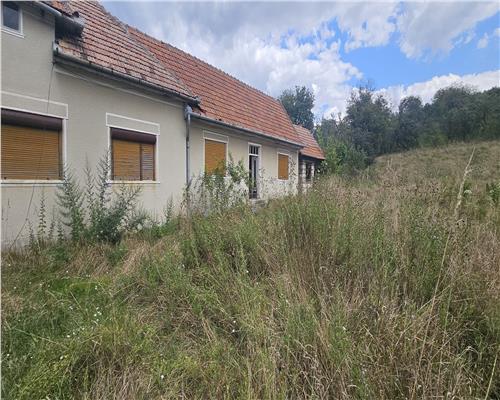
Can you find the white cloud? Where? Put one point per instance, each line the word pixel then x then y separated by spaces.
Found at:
pixel 370 24
pixel 273 45
pixel 484 41
pixel 426 90
pixel 436 28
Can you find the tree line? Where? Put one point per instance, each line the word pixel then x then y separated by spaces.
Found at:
pixel 370 127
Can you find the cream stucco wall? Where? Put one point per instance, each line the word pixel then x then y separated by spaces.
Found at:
pixel 238 148
pixel 89 105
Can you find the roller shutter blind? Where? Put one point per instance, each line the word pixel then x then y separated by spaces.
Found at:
pixel 133 156
pixel 215 157
pixel 30 153
pixel 126 160
pixel 282 166
pixel 147 162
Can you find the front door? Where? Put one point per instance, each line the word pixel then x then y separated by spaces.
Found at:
pixel 253 168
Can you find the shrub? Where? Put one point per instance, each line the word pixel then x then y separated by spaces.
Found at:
pixel 218 191
pixel 96 212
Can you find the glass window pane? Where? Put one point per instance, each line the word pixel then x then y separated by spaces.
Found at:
pixel 10 15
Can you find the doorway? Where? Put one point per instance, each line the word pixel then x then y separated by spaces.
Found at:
pixel 253 170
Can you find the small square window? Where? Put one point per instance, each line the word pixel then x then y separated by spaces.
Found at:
pixel 11 16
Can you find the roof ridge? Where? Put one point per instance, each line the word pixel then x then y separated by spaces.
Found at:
pixel 125 27
pixel 206 63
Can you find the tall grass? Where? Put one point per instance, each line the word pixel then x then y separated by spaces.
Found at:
pixel 377 287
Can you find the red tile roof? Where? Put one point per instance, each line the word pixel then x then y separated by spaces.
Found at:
pixel 311 147
pixel 223 97
pixel 109 43
pixel 106 44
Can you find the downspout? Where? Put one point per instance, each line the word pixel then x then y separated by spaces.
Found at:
pixel 187 116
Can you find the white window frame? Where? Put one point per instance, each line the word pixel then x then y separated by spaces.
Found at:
pixel 285 153
pixel 215 137
pixel 109 126
pixel 41 182
pixel 10 31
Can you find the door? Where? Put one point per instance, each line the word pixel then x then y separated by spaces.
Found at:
pixel 253 168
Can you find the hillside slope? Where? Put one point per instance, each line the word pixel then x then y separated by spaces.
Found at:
pixel 386 286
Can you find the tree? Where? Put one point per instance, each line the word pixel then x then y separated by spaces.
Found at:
pixel 455 110
pixel 410 123
pixel 298 104
pixel 371 121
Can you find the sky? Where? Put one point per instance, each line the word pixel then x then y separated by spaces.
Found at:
pixel 400 48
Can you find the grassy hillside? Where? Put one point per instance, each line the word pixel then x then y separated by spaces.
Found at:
pixel 386 286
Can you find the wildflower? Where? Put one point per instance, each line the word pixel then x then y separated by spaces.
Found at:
pixel 233 330
pixel 68 336
pixel 60 358
pixel 162 377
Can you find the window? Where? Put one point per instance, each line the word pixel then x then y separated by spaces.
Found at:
pixel 308 171
pixel 11 16
pixel 215 157
pixel 282 166
pixel 133 155
pixel 31 146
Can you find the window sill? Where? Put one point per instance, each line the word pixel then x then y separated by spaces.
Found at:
pixel 12 32
pixel 134 182
pixel 30 182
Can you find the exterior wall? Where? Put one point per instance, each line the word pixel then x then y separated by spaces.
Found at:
pixel 88 105
pixel 238 147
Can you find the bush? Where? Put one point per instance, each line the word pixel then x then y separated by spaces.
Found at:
pixel 219 191
pixel 96 212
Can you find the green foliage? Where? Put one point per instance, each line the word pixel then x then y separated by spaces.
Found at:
pixel 341 155
pixel 493 190
pixel 371 122
pixel 299 103
pixel 96 212
pixel 456 113
pixel 219 191
pixel 364 288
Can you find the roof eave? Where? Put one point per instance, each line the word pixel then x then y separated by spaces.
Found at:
pixel 66 59
pixel 248 131
pixel 322 158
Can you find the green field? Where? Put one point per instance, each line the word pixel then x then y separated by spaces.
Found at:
pixel 383 286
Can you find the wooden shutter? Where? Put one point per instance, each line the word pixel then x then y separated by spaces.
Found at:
pixel 215 157
pixel 30 153
pixel 126 160
pixel 147 162
pixel 282 166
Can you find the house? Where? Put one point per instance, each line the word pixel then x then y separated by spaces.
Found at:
pixel 78 83
pixel 310 156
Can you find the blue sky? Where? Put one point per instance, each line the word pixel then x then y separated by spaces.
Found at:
pixel 401 48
